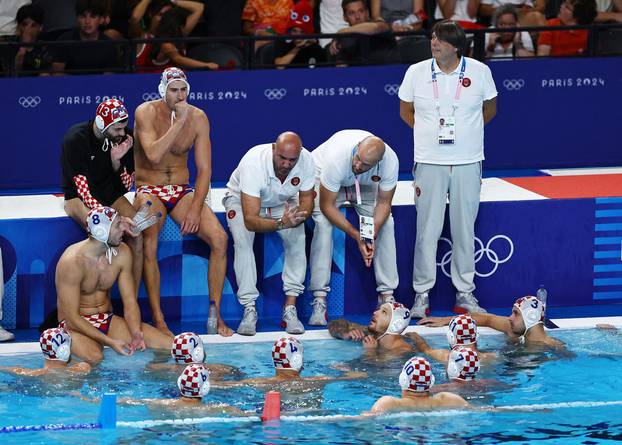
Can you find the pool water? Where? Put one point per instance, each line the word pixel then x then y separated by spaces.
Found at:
pixel 561 387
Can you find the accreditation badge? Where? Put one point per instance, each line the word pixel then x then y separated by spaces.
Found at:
pixel 366 228
pixel 447 130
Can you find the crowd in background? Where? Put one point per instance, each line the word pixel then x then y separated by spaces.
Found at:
pixel 378 21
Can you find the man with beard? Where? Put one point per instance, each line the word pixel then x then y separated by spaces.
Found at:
pixel 384 332
pixel 97 162
pixel 524 325
pixel 85 273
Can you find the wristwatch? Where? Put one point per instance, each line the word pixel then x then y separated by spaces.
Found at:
pixel 279 224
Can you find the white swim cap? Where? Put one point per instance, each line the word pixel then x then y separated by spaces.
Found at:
pixel 99 221
pixel 56 344
pixel 416 375
pixel 170 75
pixel 462 330
pixel 532 311
pixel 287 353
pixel 194 381
pixel 462 364
pixel 188 348
pixel 400 319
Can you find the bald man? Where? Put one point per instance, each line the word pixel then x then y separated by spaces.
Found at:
pixel 358 167
pixel 271 190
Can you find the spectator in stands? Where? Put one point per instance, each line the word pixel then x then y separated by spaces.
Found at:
pixel 609 11
pixel 85 56
pixel 59 17
pixel 305 52
pixel 571 42
pixel 462 11
pixel 4 334
pixel 331 18
pixel 508 44
pixel 530 13
pixel 166 21
pixel 97 163
pixel 30 59
pixel 223 18
pixel 117 21
pixel 378 47
pixel 402 15
pixel 266 17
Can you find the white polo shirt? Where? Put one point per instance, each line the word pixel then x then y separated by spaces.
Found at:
pixel 478 86
pixel 255 176
pixel 333 163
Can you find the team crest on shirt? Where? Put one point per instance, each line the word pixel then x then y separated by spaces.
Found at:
pixel 376 178
pixel 295 181
pixel 231 214
pixel 417 191
pixel 466 82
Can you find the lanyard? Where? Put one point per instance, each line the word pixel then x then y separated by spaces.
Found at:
pixel 357 184
pixel 458 88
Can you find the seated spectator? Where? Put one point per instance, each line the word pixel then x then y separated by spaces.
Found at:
pixel 86 57
pixel 266 17
pixel 379 47
pixel 30 59
pixel 301 52
pixel 116 23
pixel 508 44
pixel 462 11
pixel 165 20
pixel 402 15
pixel 609 11
pixel 331 19
pixel 530 12
pixel 571 42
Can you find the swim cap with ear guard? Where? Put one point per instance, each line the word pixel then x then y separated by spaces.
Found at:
pixel 287 353
pixel 416 375
pixel 194 381
pixel 188 348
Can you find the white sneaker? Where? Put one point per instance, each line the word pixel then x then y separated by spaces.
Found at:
pixel 385 298
pixel 318 317
pixel 466 302
pixel 6 335
pixel 248 325
pixel 290 321
pixel 421 306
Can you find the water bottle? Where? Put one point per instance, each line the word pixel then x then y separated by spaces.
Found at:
pixel 142 213
pixel 541 295
pixel 212 319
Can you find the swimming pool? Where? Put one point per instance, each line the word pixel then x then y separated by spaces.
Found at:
pixel 564 388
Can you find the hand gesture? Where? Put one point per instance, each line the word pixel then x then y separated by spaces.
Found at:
pixel 119 150
pixel 181 110
pixel 138 341
pixel 190 224
pixel 293 217
pixel 367 251
pixel 129 226
pixel 354 335
pixel 370 342
pixel 121 347
pixel 334 47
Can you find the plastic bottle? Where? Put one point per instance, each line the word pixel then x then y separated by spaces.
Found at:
pixel 212 319
pixel 541 294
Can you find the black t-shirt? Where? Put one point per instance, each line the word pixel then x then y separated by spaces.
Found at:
pixel 307 56
pixel 82 154
pixel 88 56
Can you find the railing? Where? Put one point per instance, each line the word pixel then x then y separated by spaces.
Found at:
pixel 244 55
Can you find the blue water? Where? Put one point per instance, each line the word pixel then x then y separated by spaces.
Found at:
pixel 590 372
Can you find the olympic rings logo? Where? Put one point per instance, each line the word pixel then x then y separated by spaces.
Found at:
pixel 275 93
pixel 513 84
pixel 150 96
pixel 29 101
pixel 481 250
pixel 391 89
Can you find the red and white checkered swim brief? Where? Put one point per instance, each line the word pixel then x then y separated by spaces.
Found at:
pixel 99 321
pixel 168 194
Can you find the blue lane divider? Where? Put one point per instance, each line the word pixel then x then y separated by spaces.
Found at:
pixel 107 419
